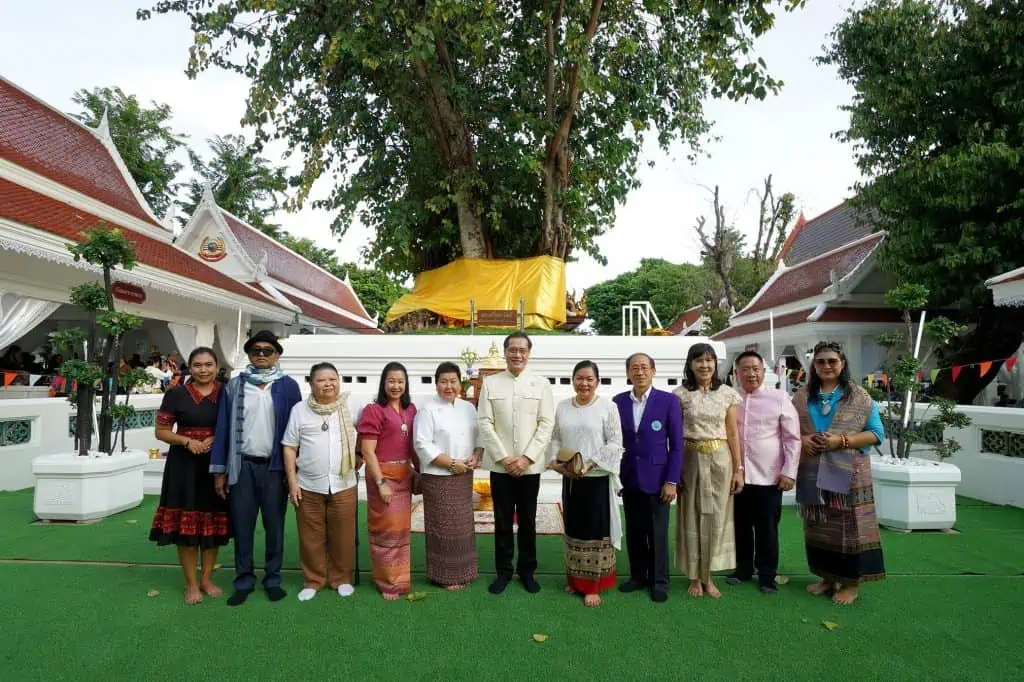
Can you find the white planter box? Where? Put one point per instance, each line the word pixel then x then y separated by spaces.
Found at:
pixel 915 494
pixel 73 488
pixel 153 476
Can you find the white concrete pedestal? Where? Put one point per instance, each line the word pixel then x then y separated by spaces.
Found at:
pixel 73 488
pixel 915 494
pixel 153 476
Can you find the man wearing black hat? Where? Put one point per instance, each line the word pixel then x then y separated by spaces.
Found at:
pixel 247 463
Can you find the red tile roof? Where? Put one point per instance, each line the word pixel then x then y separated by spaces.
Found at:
pixel 686 319
pixel 786 320
pixel 44 141
pixel 836 314
pixel 49 215
pixel 322 314
pixel 812 277
pixel 286 266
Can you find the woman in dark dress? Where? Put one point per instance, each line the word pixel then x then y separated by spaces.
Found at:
pixel 191 515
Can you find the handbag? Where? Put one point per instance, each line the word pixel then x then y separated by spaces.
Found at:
pixel 417 481
pixel 571 461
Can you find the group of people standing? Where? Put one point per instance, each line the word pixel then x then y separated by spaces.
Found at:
pixel 245 450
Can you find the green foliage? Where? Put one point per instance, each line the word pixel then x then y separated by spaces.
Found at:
pixel 904 370
pixel 82 371
pixel 106 247
pixel 937 125
pixel 136 377
pixel 109 249
pixel 121 412
pixel 244 183
pixel 118 323
pixel 443 122
pixel 671 288
pixel 90 296
pixel 376 290
pixel 142 136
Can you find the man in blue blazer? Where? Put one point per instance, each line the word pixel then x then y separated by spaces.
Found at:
pixel 652 464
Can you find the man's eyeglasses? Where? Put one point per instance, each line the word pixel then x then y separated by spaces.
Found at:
pixel 262 352
pixel 517 351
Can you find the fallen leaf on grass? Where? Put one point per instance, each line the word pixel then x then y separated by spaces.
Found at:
pixel 153 593
pixel 132 521
pixel 216 566
pixel 829 625
pixel 782 579
pixel 540 638
pixel 804 620
pixel 416 596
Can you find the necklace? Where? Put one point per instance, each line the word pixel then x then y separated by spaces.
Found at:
pixel 324 427
pixel 405 427
pixel 826 403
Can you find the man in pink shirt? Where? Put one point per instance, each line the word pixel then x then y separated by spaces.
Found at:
pixel 769 432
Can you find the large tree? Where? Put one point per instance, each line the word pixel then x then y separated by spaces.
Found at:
pixel 492 128
pixel 143 137
pixel 937 126
pixel 243 182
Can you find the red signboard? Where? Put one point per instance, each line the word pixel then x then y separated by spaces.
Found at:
pixel 128 292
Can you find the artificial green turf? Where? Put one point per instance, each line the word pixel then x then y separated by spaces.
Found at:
pixel 991 542
pixel 83 623
pixel 73 621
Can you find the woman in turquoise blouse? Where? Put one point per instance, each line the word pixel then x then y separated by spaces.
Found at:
pixel 839 424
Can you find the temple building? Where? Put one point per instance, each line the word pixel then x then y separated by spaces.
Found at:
pixel 59 178
pixel 324 303
pixel 826 287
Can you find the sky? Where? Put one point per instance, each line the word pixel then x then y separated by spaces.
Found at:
pixel 51 48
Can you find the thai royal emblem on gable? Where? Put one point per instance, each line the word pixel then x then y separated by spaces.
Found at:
pixel 213 249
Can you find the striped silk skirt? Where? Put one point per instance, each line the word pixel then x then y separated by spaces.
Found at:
pixel 845 544
pixel 389 528
pixel 449 528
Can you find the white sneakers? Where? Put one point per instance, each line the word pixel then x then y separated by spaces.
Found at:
pixel 308 593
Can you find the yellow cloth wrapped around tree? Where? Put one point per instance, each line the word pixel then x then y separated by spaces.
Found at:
pixel 492 285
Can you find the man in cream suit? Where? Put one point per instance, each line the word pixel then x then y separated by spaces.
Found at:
pixel 516 415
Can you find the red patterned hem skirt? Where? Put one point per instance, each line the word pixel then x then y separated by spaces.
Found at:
pixel 190 512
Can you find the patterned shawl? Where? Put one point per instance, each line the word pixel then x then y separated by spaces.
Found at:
pixel 825 479
pixel 348 431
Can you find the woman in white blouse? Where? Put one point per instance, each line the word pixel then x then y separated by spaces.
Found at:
pixel 320 462
pixel 586 448
pixel 444 435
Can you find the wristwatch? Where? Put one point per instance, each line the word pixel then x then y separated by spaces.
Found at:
pixel 380 482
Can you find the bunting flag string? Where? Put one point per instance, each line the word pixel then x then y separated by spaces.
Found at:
pixel 983 369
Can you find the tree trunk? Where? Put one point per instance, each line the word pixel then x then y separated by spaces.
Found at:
pixel 455 145
pixel 556 233
pixel 998 335
pixel 84 399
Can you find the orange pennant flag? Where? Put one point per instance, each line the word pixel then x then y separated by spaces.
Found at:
pixel 9 378
pixel 956 371
pixel 985 367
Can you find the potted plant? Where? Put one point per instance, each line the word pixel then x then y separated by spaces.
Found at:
pixel 913 492
pixel 95 482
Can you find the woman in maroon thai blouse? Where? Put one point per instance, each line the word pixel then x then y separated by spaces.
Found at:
pixel 191 515
pixel 385 431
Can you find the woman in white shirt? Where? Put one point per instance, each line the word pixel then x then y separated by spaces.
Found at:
pixel 320 460
pixel 586 448
pixel 444 435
